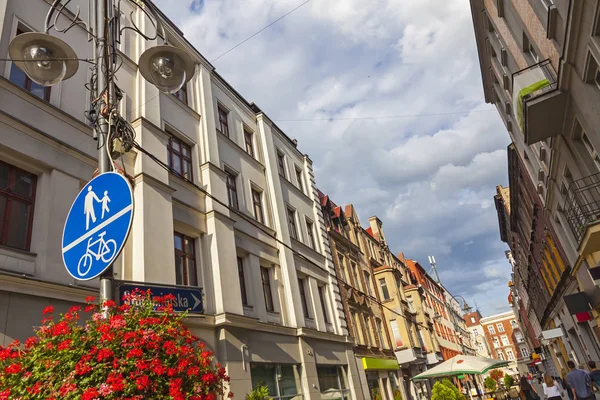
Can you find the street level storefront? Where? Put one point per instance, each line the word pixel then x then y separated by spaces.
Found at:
pixel 293 363
pixel 381 375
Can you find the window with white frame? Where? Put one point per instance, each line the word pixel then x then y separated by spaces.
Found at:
pixel 281 163
pixel 495 342
pixel 476 332
pixel 513 323
pixel 267 290
pixel 384 289
pixel 303 298
pixel 283 380
pixel 509 354
pixel 232 189
pixel 491 329
pixel 299 179
pixel 500 327
pixel 524 351
pixel 518 337
pixel 505 341
pixel 501 355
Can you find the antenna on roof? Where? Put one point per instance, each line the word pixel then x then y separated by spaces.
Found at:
pixel 433 267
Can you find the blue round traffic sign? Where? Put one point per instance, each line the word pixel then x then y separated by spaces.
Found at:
pixel 97 226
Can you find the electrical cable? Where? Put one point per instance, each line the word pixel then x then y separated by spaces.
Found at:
pixel 266 27
pixel 252 221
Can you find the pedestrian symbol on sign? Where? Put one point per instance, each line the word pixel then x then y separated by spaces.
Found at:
pixel 93 237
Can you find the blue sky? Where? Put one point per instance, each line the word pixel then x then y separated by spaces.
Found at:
pixel 429 168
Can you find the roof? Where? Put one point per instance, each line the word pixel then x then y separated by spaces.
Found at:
pixel 370 232
pixel 337 211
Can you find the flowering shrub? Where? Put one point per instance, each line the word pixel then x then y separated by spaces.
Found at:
pixel 141 351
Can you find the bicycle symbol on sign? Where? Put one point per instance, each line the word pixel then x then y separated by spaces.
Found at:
pixel 105 250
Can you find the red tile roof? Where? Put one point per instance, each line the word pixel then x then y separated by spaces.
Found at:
pixel 336 212
pixel 370 232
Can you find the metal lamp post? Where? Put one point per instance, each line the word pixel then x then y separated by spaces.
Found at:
pixel 48 60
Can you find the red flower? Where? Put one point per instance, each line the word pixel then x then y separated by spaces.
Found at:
pixel 109 304
pixel 90 299
pixel 90 394
pixel 135 352
pixel 13 369
pixel 5 394
pixel 104 354
pixel 142 382
pixel 90 308
pixel 64 345
pixel 48 310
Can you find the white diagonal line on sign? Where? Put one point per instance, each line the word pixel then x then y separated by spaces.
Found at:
pixel 96 229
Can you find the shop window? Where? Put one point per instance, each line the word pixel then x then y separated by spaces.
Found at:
pixel 283 380
pixel 333 382
pixel 17 199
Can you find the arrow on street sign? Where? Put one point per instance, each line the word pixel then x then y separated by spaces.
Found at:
pixel 186 298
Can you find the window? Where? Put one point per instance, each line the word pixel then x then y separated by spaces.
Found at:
pixel 524 351
pixel 266 284
pixel 396 333
pixel 299 179
pixel 357 328
pixel 257 204
pixel 590 148
pixel 301 283
pixel 491 329
pixel 597 77
pixel 518 337
pixel 510 355
pixel 283 381
pixel 291 219
pixel 223 124
pixel 528 48
pixel 513 323
pixel 411 305
pixel 248 140
pixel 17 199
pixel 473 320
pixel 180 158
pixel 240 263
pixel 500 327
pixel 384 289
pixel 333 382
pixel 281 163
pixel 342 269
pixel 20 78
pixel 501 355
pixel 495 342
pixel 505 341
pixel 182 94
pixel 310 234
pixel 357 283
pixel 322 296
pixel 185 261
pixel 368 283
pixel 476 332
pixel 380 333
pixel 232 189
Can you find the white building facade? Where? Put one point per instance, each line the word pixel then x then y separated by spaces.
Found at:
pixel 272 306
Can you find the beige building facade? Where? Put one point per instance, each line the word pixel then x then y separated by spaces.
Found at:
pixel 540 67
pixel 272 306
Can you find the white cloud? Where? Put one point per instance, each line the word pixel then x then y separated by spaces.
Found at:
pixel 430 178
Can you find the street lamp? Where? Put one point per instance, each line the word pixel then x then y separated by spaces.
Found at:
pixel 45 59
pixel 48 60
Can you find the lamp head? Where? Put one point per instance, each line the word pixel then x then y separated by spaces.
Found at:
pixel 166 67
pixel 45 59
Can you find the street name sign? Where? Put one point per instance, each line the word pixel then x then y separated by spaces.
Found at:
pixel 97 226
pixel 185 298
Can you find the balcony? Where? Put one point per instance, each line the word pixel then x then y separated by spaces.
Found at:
pixel 434 358
pixel 413 355
pixel 537 104
pixel 583 212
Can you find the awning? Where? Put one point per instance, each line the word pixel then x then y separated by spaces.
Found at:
pixel 577 303
pixel 371 363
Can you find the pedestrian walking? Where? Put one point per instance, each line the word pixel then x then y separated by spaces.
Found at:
pixel 527 390
pixel 552 390
pixel 565 383
pixel 580 382
pixel 594 374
